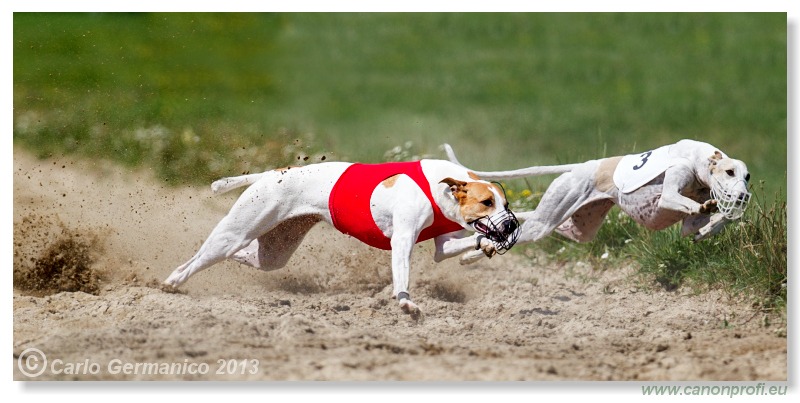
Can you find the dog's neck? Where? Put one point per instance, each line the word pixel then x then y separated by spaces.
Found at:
pixel 448 205
pixel 699 153
pixel 703 173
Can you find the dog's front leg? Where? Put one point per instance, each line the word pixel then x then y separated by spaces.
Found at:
pixel 450 245
pixel 676 179
pixel 456 243
pixel 402 246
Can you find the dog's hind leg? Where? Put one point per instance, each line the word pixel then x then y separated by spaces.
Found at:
pixel 272 250
pixel 255 213
pixel 218 246
pixel 225 240
pixel 583 225
pixel 691 224
pixel 703 226
pixel 564 197
pixel 274 197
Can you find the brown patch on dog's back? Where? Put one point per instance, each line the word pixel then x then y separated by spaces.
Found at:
pixel 604 177
pixel 473 176
pixel 389 182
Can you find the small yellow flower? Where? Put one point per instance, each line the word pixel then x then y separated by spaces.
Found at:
pixel 525 193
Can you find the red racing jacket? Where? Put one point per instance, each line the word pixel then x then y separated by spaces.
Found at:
pixel 350 209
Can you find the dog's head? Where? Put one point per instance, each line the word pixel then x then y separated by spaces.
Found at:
pixel 728 180
pixel 483 206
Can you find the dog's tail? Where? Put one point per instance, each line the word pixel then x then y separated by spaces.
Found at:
pixel 517 173
pixel 225 184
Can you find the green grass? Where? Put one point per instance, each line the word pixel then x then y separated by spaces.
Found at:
pixel 747 259
pixel 507 89
pixel 200 96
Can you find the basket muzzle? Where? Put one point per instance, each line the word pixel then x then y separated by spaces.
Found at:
pixel 502 228
pixel 731 203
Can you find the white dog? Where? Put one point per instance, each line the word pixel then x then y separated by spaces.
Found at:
pixel 390 206
pixel 684 181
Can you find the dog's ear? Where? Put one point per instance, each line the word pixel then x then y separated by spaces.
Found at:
pixel 456 186
pixel 715 158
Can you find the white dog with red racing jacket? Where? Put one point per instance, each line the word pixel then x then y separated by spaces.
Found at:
pixel 685 181
pixel 390 206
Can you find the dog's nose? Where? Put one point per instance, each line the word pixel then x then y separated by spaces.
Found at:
pixel 509 226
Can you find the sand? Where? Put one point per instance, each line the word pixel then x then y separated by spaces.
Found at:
pixel 329 315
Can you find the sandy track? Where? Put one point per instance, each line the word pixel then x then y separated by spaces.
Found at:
pixel 328 315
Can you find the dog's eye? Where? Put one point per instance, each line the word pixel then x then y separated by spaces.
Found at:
pixel 488 203
pixel 729 172
pixel 747 178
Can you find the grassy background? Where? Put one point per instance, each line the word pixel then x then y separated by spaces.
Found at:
pixel 200 96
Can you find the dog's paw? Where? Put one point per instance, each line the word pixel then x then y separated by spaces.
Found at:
pixel 708 207
pixel 410 308
pixel 167 284
pixel 177 278
pixel 165 287
pixel 488 248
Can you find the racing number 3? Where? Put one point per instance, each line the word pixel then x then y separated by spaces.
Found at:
pixel 644 156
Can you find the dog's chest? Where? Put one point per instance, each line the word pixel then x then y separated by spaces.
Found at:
pixel 642 206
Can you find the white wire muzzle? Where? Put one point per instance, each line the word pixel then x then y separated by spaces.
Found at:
pixel 731 203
